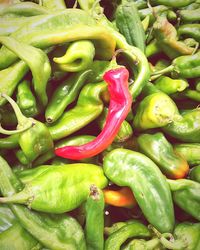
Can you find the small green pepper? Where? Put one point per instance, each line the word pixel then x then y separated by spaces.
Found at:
pixel 69 191
pixel 117 238
pixel 186 195
pixel 128 168
pixel 171 86
pixel 189 15
pixel 154 111
pixel 186 128
pixel 172 3
pixel 157 148
pixel 26 100
pixel 195 174
pixel 65 94
pixel 78 57
pixel 190 30
pixel 94 224
pixel 190 151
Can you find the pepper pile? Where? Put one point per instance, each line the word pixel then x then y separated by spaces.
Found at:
pixel 100 125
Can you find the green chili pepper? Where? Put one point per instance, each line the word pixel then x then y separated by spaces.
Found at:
pixel 53 231
pixel 189 15
pixel 94 219
pixel 183 66
pixel 140 244
pixel 21 157
pixel 65 94
pixel 195 174
pixel 79 56
pixel 16 237
pixel 152 48
pixel 125 131
pixel 186 128
pixel 134 229
pixel 66 179
pixel 157 148
pixel 173 4
pixel 9 142
pixel 171 86
pixel 54 4
pixel 190 151
pixel 190 30
pixel 128 168
pixel 186 236
pixel 149 89
pixel 88 107
pixel 114 227
pixel 61 27
pixel 154 111
pixel 26 100
pixel 7 218
pixel 24 9
pixel 10 77
pixel 186 195
pixel 167 39
pixel 38 63
pixel 98 70
pixel 35 138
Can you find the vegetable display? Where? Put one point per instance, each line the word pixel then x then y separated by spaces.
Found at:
pixel 100 125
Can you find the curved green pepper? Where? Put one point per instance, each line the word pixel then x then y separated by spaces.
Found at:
pixel 157 148
pixel 38 63
pixel 195 174
pixel 9 142
pixel 79 56
pixel 59 197
pixel 140 244
pixel 61 27
pixel 128 168
pixel 186 128
pixel 88 107
pixel 94 224
pixel 189 15
pixel 186 194
pixel 170 86
pixel 7 218
pixel 134 229
pixel 26 100
pixel 190 30
pixel 53 231
pixel 172 3
pixel 10 77
pixel 154 111
pixel 65 94
pixel 190 151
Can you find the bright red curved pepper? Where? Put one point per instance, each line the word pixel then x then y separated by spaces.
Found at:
pixel 119 107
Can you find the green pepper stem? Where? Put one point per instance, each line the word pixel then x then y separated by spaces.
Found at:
pixel 24 123
pixel 168 69
pixel 21 197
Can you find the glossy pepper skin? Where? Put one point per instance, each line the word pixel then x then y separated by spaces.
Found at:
pixel 61 27
pixel 154 111
pixel 128 168
pixel 189 15
pixel 119 106
pixel 185 194
pixel 50 196
pixel 157 148
pixel 53 231
pixel 190 151
pixel 94 225
pixel 65 94
pixel 117 238
pixel 88 107
pixel 190 30
pixel 171 3
pixel 186 128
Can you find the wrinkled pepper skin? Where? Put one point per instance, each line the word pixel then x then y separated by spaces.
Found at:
pixel 132 229
pixel 94 225
pixel 52 231
pixel 61 27
pixel 154 111
pixel 190 30
pixel 141 244
pixel 157 148
pixel 51 194
pixel 186 195
pixel 195 174
pixel 89 106
pixel 186 128
pixel 128 168
pixel 189 151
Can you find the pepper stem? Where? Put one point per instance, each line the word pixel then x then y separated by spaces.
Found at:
pixel 157 74
pixel 171 243
pixel 24 123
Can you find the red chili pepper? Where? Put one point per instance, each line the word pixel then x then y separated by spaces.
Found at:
pixel 119 107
